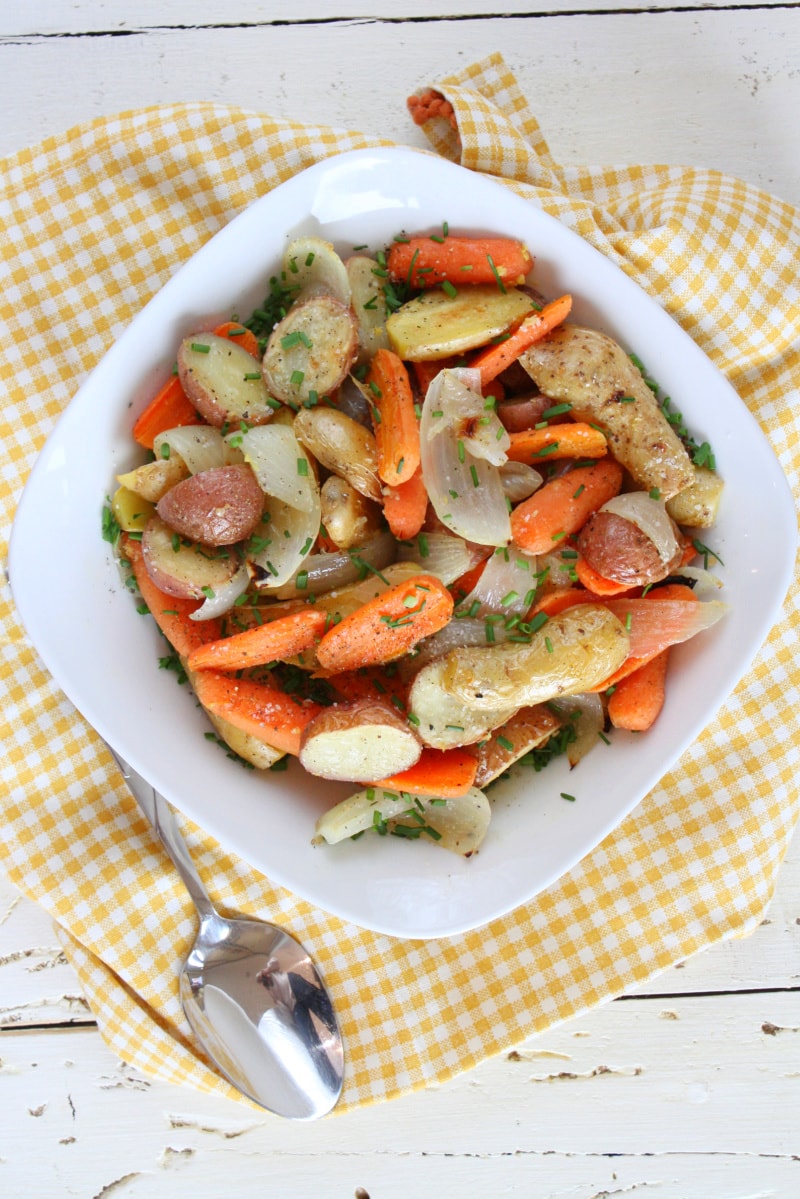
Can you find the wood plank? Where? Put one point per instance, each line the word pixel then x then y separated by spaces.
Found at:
pixel 49 18
pixel 723 102
pixel 699 1098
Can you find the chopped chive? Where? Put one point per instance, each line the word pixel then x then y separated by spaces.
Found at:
pixel 200 348
pixel 449 289
pixel 302 466
pixel 473 470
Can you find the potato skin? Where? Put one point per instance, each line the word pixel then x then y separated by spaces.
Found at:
pixel 594 374
pixel 574 651
pixel 219 506
pixel 363 741
pixel 619 550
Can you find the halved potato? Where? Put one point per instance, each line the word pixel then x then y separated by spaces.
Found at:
pixel 444 721
pixel 154 479
pixel 183 568
pixel 576 650
pixel 349 518
pixel 131 511
pixel 223 380
pixel 311 350
pixel 341 445
pixel 217 507
pixel 697 505
pixel 526 730
pixel 359 742
pixel 436 325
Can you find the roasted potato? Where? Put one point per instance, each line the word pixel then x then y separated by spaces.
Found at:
pixel 621 551
pixel 183 568
pixel 444 720
pixel 437 325
pixel 369 305
pixel 341 445
pixel 154 479
pixel 527 729
pixel 591 372
pixel 576 650
pixel 348 517
pixel 697 505
pixel 223 380
pixel 217 507
pixel 313 266
pixel 459 825
pixel 130 510
pixel 311 350
pixel 363 741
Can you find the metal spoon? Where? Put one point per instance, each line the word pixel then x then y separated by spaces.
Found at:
pixel 252 994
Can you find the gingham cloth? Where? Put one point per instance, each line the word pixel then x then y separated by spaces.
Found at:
pixel 92 223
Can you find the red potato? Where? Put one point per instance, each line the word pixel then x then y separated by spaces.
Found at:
pixel 222 380
pixel 219 506
pixel 310 350
pixel 526 730
pixel 184 569
pixel 359 742
pixel 617 549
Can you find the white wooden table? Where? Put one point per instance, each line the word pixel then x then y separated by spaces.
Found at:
pixel 689 1089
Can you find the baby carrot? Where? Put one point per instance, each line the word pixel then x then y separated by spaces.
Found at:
pixel 447 773
pixel 171 614
pixel 429 261
pixel 405 506
pixel 387 626
pixel 243 337
pixel 277 640
pixel 256 708
pixel 169 408
pixel 637 700
pixel 495 359
pixel 562 506
pixel 395 421
pixel 572 439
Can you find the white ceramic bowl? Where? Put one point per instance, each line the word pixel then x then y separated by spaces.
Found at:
pixel 107 663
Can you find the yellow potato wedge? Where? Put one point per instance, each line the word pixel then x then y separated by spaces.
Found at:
pixel 311 350
pixel 697 505
pixel 436 325
pixel 444 720
pixel 574 651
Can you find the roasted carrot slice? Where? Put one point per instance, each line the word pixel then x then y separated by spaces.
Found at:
pixel 259 709
pixel 447 773
pixel 169 408
pixel 562 506
pixel 427 261
pixel 405 506
pixel 387 626
pixel 637 700
pixel 495 359
pixel 171 614
pixel 572 439
pixel 243 337
pixel 395 420
pixel 276 641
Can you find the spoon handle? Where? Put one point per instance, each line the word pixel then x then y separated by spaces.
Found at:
pixel 161 817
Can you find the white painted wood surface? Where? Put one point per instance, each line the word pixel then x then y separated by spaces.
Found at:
pixel 689 1089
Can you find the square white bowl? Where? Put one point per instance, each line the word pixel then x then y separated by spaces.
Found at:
pixel 107 664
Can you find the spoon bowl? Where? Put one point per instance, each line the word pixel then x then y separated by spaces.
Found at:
pixel 252 995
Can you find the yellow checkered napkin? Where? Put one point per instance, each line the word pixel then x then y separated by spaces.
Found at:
pixel 91 225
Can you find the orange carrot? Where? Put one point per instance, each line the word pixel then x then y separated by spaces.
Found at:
pixel 573 439
pixel 495 359
pixel 638 699
pixel 558 601
pixel 169 408
pixel 255 708
pixel 595 582
pixel 277 641
pixel 405 506
pixel 562 506
pixel 387 626
pixel 171 614
pixel 426 372
pixel 427 262
pixel 461 587
pixel 243 337
pixel 446 773
pixel 395 422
